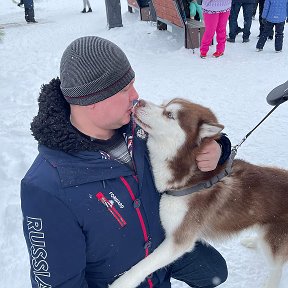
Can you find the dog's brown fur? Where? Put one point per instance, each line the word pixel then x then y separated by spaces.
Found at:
pixel 250 196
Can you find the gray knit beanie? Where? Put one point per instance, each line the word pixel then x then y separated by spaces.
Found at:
pixel 93 69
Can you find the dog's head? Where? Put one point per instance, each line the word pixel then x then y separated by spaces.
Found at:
pixel 176 131
pixel 177 119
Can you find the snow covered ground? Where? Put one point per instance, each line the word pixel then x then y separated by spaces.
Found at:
pixel 234 86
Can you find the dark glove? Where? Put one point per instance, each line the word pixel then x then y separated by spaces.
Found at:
pixel 286 20
pixel 264 21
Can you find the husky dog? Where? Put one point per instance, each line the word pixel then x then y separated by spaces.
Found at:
pixel 251 196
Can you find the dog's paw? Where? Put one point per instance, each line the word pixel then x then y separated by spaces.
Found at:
pixel 249 242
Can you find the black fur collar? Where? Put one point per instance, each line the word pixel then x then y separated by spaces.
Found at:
pixel 52 128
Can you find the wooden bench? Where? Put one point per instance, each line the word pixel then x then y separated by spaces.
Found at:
pixel 172 12
pixel 144 9
pixel 194 31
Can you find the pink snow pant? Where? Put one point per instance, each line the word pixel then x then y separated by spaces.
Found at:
pixel 214 23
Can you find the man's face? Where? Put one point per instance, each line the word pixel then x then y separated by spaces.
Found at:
pixel 115 111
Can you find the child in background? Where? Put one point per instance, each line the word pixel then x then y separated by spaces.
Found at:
pixel 195 8
pixel 216 14
pixel 275 13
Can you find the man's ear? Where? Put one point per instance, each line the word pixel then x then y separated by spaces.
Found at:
pixel 209 130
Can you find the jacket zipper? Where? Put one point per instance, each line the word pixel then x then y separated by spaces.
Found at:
pixel 142 223
pixel 110 207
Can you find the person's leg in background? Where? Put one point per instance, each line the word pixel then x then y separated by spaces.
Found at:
pixel 89 6
pixel 84 7
pixel 268 27
pixel 203 267
pixel 255 9
pixel 210 21
pixel 29 11
pixel 247 14
pixel 233 23
pixel 279 35
pixel 221 33
pixel 261 25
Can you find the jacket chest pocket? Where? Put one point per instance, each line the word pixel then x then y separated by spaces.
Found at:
pixel 111 209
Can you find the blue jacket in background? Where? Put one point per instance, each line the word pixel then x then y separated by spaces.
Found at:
pixel 275 11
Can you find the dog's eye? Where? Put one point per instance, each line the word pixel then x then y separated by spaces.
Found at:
pixel 170 115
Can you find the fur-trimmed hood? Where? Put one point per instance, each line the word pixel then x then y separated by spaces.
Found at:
pixel 52 128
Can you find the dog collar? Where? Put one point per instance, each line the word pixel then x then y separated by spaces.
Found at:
pixel 207 184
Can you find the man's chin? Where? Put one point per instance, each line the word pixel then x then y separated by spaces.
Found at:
pixel 125 121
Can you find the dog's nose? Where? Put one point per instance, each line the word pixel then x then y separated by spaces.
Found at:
pixel 141 103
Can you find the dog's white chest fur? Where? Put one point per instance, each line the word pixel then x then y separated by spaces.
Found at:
pixel 172 211
pixel 160 154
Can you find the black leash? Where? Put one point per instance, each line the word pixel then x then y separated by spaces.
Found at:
pixel 275 98
pixel 235 148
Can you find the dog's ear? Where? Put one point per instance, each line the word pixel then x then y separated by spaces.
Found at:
pixel 209 130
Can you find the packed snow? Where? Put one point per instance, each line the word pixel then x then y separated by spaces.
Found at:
pixel 234 86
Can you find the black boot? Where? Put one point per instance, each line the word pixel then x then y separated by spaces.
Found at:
pixel 32 21
pixel 90 10
pixel 84 10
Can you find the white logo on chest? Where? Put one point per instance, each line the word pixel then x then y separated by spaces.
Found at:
pixel 116 200
pixel 141 134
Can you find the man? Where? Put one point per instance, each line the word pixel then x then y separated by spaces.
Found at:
pixel 248 8
pixel 90 206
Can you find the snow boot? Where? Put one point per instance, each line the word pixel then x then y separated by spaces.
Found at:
pixel 231 40
pixel 218 54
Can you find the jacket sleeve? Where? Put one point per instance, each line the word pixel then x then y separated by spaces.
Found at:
pixel 55 241
pixel 226 148
pixel 266 9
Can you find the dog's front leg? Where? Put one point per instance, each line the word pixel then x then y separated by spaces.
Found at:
pixel 165 254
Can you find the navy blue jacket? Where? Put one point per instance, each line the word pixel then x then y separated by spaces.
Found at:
pixel 87 218
pixel 76 238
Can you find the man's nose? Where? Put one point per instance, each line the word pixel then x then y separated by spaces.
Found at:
pixel 133 94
